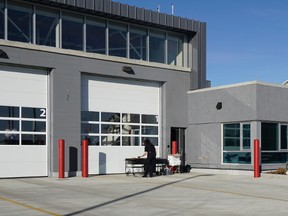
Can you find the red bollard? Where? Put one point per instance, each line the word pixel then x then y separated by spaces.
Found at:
pixel 256 159
pixel 84 158
pixel 61 158
pixel 174 147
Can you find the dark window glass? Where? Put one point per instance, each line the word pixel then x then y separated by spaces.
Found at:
pixel 36 113
pixel 274 157
pixel 130 141
pixel 138 44
pixel 2 19
pixel 237 157
pixel 110 117
pixel 150 130
pixel 89 128
pixel 19 22
pixel 110 129
pixel 46 23
pixel 110 140
pixel 150 119
pixel 269 136
pixel 96 36
pixel 117 40
pixel 284 136
pixel 92 140
pixel 9 125
pixel 89 116
pixel 9 139
pixel 130 118
pixel 175 48
pixel 33 139
pixel 153 140
pixel 130 129
pixel 232 137
pixel 72 32
pixel 157 47
pixel 36 126
pixel 246 136
pixel 9 111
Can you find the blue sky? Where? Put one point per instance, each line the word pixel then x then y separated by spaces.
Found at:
pixel 247 40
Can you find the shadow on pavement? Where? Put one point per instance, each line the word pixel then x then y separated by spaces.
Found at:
pixel 133 195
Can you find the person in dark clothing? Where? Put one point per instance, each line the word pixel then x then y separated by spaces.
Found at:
pixel 150 152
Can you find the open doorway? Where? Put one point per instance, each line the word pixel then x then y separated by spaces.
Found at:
pixel 178 136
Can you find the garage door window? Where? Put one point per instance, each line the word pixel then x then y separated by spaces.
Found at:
pixel 119 129
pixel 22 125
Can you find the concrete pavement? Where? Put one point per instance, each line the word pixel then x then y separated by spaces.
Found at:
pixel 192 193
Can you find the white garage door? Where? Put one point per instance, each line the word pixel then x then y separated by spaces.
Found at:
pixel 23 103
pixel 117 115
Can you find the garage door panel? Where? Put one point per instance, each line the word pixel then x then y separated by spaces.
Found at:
pixel 103 160
pixel 105 94
pixel 125 95
pixel 23 89
pixel 23 161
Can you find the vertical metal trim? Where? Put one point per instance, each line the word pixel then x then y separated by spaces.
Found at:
pixel 166 49
pixel 84 33
pixel 185 51
pixel 107 37
pixel 202 55
pixel 34 25
pixel 128 42
pixel 148 45
pixel 5 20
pixel 60 29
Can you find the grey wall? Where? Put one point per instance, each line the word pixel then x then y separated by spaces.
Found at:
pixel 65 95
pixel 203 148
pixel 238 104
pixel 253 102
pixel 272 103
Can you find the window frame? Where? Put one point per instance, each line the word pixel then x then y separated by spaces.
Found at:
pixel 42 118
pixel 80 43
pixel 241 149
pixel 138 125
pixel 280 137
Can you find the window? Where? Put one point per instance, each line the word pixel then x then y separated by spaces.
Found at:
pixel 284 137
pixel 117 40
pixel 22 125
pixel 138 44
pixel 72 32
pixel 269 136
pixel 90 127
pixel 175 50
pixel 232 137
pixel 119 129
pixel 20 22
pixel 246 136
pixel 2 20
pixel 33 126
pixel 96 36
pixel 46 27
pixel 236 143
pixel 274 143
pixel 62 29
pixel 157 47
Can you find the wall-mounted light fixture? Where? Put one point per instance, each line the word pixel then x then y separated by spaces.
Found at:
pixel 3 54
pixel 219 105
pixel 128 69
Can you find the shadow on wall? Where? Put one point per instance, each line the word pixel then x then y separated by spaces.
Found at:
pixel 73 161
pixel 102 163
